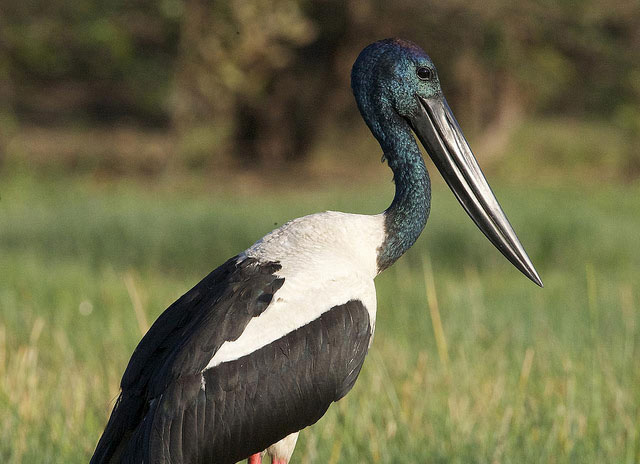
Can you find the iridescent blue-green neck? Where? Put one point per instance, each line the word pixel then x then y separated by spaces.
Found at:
pixel 408 213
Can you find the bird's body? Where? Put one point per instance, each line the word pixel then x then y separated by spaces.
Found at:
pixel 304 291
pixel 261 347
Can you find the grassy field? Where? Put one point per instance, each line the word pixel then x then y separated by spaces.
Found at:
pixel 471 361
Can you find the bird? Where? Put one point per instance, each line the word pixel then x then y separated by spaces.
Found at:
pixel 263 345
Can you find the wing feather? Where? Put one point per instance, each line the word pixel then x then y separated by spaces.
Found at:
pixel 175 409
pixel 180 344
pixel 285 386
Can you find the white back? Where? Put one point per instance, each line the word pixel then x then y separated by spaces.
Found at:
pixel 327 259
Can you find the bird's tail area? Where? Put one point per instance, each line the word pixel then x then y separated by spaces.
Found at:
pixel 124 419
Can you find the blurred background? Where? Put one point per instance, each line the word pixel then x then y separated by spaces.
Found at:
pixel 137 87
pixel 142 143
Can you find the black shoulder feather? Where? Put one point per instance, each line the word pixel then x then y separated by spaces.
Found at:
pixel 183 339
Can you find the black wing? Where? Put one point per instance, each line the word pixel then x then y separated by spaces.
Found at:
pixel 243 406
pixel 183 340
pixel 176 412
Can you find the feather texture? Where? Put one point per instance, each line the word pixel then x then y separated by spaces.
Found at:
pixel 225 371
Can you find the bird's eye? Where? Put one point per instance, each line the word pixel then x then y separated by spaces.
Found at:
pixel 424 73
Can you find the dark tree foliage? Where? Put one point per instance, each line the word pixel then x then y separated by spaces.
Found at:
pixel 252 80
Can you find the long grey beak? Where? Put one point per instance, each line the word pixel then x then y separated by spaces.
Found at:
pixel 439 132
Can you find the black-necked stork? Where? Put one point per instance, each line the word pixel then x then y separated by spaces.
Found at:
pixel 261 347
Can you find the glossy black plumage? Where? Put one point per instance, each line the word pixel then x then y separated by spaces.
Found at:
pixel 252 402
pixel 183 339
pixel 172 411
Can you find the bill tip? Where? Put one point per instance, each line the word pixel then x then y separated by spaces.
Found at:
pixel 536 279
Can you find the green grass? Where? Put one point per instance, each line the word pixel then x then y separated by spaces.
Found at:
pixel 513 374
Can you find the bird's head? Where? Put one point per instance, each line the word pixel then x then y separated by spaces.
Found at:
pixel 394 72
pixel 397 90
pixel 388 79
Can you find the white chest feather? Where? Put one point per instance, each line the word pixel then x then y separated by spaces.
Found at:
pixel 327 259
